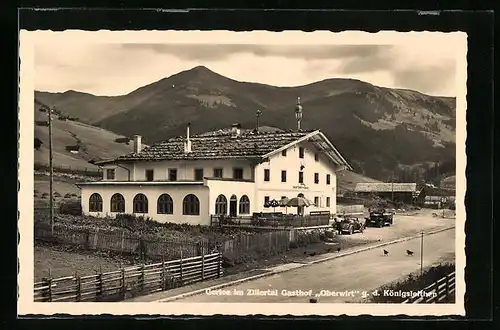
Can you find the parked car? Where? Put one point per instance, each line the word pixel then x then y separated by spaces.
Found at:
pixel 348 225
pixel 380 217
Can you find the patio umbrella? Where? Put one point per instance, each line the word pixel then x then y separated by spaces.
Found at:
pixel 298 202
pixel 274 204
pixel 283 202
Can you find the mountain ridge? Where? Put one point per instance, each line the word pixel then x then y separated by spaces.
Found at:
pixel 381 130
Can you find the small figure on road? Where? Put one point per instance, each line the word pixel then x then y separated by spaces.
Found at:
pixel 409 252
pixel 386 252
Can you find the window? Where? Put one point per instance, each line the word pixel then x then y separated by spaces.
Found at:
pixel 301 152
pixel 266 200
pixel 316 201
pixel 283 153
pixel 316 157
pixel 95 203
pixel 140 204
pixel 172 174
pixel 221 205
pixel 165 204
pixel 266 174
pixel 238 173
pixel 316 177
pixel 244 205
pixel 328 179
pixel 150 175
pixel 328 202
pixel 117 203
pixel 198 174
pixel 110 173
pixel 283 176
pixel 301 177
pixel 191 205
pixel 218 173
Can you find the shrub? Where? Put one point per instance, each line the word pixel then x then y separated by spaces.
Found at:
pixel 45 195
pixel 74 195
pixel 71 207
pixel 67 196
pixel 56 194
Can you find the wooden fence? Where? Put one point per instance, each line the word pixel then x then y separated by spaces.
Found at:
pixel 441 291
pixel 271 220
pixel 121 284
pixel 121 242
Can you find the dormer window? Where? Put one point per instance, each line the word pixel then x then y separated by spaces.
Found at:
pixel 316 157
pixel 283 153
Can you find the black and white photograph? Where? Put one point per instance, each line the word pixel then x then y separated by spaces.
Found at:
pixel 239 173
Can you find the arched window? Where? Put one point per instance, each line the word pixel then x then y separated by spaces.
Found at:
pixel 95 203
pixel 221 205
pixel 117 203
pixel 140 204
pixel 300 195
pixel 165 204
pixel 244 205
pixel 191 205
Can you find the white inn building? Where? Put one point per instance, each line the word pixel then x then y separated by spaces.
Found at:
pixel 232 171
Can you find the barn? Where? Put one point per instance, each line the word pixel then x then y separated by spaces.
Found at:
pixel 398 192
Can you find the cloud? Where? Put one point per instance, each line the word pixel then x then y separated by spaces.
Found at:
pixel 429 79
pixel 219 52
pixel 117 69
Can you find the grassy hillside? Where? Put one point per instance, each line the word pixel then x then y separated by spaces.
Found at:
pixel 379 130
pixel 93 143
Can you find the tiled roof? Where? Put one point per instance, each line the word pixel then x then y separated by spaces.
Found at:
pixel 385 187
pixel 218 145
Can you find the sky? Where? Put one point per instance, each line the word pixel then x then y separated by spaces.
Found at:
pixel 120 68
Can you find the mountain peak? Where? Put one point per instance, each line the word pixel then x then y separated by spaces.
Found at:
pixel 201 68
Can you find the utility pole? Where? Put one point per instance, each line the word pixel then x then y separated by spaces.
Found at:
pixel 51 178
pixel 440 190
pixel 392 187
pixel 422 254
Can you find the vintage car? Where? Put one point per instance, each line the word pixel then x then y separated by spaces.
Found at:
pixel 380 217
pixel 349 225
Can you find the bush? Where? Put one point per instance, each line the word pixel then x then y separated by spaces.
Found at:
pixel 56 194
pixel 71 207
pixel 74 195
pixel 67 196
pixel 45 195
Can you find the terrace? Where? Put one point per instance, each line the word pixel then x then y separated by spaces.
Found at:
pixel 273 220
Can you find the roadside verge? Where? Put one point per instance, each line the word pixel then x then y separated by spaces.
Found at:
pixel 281 269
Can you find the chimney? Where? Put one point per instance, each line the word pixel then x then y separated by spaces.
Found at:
pixel 235 130
pixel 187 144
pixel 137 144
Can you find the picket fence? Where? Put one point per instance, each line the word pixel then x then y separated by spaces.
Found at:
pixel 441 291
pixel 130 281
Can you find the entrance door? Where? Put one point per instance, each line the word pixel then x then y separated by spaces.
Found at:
pixel 233 206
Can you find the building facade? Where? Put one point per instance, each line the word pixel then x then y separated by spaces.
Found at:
pixel 234 172
pixel 397 192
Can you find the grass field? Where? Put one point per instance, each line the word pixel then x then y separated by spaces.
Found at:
pixel 62 261
pixel 95 143
pixel 61 185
